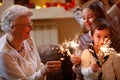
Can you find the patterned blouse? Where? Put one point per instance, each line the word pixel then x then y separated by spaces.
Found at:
pixel 13 66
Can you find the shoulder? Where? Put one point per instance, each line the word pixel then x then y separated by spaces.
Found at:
pixel 84 41
pixel 115 57
pixel 4 48
pixel 113 11
pixel 2 42
pixel 85 54
pixel 85 38
pixel 86 35
pixel 85 51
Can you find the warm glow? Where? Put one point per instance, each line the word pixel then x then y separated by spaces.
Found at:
pixel 37 7
pixel 58 5
pixel 0 4
pixel 44 6
pixel 67 45
pixel 61 59
pixel 106 47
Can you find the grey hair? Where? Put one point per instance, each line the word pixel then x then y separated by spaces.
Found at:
pixel 11 14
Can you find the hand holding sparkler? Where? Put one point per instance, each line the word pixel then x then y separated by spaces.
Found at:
pixel 75 60
pixel 67 45
pixel 105 48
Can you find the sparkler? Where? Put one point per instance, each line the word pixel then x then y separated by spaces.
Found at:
pixel 105 48
pixel 65 47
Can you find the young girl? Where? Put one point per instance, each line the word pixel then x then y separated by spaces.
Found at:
pixel 92 10
pixel 95 64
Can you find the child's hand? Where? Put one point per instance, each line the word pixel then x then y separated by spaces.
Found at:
pixel 94 67
pixel 75 59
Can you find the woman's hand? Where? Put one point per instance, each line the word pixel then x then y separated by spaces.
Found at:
pixel 51 66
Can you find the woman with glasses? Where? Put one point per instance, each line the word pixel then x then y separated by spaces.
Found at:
pixel 19 59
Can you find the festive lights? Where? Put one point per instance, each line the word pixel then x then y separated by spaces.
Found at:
pixel 67 5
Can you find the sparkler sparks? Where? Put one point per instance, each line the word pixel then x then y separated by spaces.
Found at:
pixel 65 47
pixel 105 48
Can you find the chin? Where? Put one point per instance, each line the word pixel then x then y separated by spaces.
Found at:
pixel 27 37
pixel 87 27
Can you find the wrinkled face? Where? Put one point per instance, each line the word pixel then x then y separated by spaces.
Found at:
pixel 88 17
pixel 23 27
pixel 99 36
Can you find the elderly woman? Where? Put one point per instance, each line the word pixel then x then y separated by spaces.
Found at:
pixel 19 59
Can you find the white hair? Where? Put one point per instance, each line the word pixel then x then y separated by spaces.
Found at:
pixel 11 14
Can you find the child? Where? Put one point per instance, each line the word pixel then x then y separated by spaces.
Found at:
pixel 95 64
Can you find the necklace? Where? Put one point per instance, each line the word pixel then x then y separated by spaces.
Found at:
pixel 20 50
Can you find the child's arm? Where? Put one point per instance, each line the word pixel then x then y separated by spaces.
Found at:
pixel 86 64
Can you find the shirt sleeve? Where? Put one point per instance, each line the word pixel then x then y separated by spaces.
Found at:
pixel 40 65
pixel 12 68
pixel 77 70
pixel 14 72
pixel 87 71
pixel 116 65
pixel 113 11
pixel 86 61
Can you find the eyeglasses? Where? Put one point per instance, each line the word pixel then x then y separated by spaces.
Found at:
pixel 25 25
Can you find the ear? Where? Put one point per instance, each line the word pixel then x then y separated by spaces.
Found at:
pixel 13 28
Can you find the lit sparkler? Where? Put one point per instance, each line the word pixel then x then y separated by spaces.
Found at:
pixel 65 47
pixel 106 47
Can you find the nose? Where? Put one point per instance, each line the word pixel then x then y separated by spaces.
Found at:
pixel 29 28
pixel 86 20
pixel 102 41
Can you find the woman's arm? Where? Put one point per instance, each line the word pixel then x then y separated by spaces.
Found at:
pixel 118 3
pixel 12 68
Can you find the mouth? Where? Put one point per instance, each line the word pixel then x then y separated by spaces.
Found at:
pixel 87 26
pixel 28 33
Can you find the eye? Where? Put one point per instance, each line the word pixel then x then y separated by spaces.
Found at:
pixel 83 18
pixel 98 36
pixel 90 16
pixel 107 36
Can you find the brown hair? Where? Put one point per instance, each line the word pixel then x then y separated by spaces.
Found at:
pixel 99 24
pixel 97 7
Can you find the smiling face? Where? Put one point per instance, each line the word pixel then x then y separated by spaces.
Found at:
pixel 88 17
pixel 23 27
